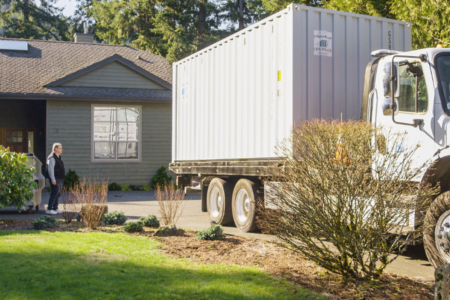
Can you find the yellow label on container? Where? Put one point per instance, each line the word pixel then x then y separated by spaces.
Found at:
pixel 279 75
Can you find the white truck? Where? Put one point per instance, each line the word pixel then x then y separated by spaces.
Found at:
pixel 235 100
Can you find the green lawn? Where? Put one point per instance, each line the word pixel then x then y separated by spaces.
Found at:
pixel 64 265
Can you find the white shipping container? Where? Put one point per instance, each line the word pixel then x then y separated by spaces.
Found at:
pixel 241 96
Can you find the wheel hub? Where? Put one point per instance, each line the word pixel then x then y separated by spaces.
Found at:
pixel 442 236
pixel 242 205
pixel 215 203
pixel 247 205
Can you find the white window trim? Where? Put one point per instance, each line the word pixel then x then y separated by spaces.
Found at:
pixel 139 159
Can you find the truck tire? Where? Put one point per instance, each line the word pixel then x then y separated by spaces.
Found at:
pixel 243 203
pixel 218 201
pixel 436 236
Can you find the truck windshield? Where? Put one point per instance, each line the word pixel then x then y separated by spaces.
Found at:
pixel 443 74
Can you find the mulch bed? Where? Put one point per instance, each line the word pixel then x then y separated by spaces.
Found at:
pixel 271 258
pixel 283 262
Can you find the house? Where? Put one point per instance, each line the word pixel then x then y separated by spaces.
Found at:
pixel 109 105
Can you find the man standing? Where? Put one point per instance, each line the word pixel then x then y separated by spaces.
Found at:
pixel 56 173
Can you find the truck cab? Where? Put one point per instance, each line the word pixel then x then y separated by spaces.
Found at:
pixel 409 92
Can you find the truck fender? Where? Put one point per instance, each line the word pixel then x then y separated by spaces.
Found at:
pixel 438 173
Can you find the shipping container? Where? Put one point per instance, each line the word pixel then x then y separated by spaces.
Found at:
pixel 238 98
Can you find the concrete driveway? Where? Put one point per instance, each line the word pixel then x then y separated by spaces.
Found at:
pixel 412 264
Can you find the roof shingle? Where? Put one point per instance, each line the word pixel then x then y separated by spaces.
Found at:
pixel 47 61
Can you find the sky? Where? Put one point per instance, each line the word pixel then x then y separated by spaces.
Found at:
pixel 69 6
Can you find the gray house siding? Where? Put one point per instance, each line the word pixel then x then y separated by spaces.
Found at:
pixel 69 123
pixel 114 75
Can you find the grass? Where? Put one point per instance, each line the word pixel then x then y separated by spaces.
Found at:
pixel 96 265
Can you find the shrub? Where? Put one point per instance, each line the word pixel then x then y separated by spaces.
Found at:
pixel 92 195
pixel 333 194
pixel 115 218
pixel 170 230
pixel 71 179
pixel 125 188
pixel 44 222
pixel 161 178
pixel 150 221
pixel 16 185
pixel 133 187
pixel 170 202
pixel 133 226
pixel 70 204
pixel 212 233
pixel 113 187
pixel 146 187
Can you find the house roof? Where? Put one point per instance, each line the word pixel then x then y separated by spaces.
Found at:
pixel 38 72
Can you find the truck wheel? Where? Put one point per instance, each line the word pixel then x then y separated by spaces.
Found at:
pixel 436 237
pixel 243 204
pixel 218 201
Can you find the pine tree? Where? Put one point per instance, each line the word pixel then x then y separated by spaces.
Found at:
pixel 126 22
pixel 171 28
pixel 26 19
pixel 242 13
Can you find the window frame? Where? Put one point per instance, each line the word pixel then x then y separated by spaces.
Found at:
pixel 438 81
pixel 428 99
pixel 116 160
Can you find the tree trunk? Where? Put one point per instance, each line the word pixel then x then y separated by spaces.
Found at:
pixel 26 11
pixel 202 17
pixel 241 14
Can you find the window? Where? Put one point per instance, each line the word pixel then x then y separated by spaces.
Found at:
pixel 116 133
pixel 443 72
pixel 413 95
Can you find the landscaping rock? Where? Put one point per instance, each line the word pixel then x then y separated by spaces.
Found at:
pixel 442 286
pixel 170 230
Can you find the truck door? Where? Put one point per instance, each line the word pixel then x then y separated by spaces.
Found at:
pixel 413 105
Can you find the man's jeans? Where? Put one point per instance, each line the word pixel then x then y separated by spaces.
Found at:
pixel 54 195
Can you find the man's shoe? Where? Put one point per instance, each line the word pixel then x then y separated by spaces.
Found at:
pixel 50 212
pixel 58 211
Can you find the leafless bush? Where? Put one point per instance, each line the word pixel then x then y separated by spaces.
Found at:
pixel 70 204
pixel 92 196
pixel 340 194
pixel 170 201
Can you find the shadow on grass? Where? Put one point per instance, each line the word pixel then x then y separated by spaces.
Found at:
pixel 42 265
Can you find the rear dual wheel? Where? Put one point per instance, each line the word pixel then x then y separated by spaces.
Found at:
pixel 218 201
pixel 244 206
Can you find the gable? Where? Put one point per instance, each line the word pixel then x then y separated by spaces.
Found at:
pixel 113 75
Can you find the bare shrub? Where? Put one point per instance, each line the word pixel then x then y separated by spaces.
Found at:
pixel 340 194
pixel 170 201
pixel 92 196
pixel 70 204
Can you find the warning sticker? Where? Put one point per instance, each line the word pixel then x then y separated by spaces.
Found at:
pixel 185 91
pixel 323 43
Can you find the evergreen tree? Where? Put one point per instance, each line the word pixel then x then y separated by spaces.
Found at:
pixel 242 12
pixel 26 19
pixel 127 22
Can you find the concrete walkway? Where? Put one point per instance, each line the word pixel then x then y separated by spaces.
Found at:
pixel 413 264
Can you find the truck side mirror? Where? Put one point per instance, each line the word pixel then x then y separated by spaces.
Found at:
pixel 387 106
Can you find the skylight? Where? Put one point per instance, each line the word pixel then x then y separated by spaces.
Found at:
pixel 13 45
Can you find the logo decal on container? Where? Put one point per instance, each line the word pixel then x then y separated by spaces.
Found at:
pixel 323 43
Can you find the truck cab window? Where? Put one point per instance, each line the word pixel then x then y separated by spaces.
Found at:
pixel 443 68
pixel 413 95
